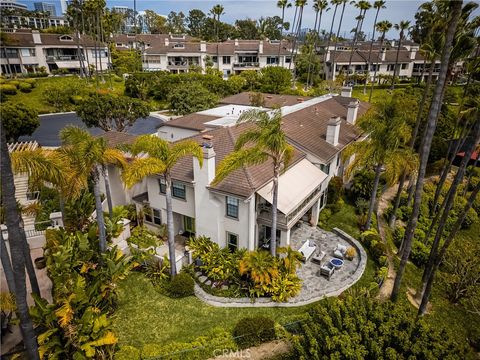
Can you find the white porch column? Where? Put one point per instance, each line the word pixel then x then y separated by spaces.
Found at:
pixel 315 213
pixel 251 223
pixel 288 237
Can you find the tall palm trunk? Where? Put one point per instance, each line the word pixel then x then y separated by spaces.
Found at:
pixel 313 51
pixel 17 250
pixel 412 144
pixel 428 287
pixel 337 35
pixel 273 241
pixel 373 197
pixel 377 64
pixel 171 233
pixel 396 61
pixel 295 37
pixel 281 36
pixel 357 29
pixel 32 276
pixel 299 28
pixel 370 52
pixel 425 151
pixel 7 264
pixel 108 192
pixel 102 238
pixel 449 201
pixel 329 40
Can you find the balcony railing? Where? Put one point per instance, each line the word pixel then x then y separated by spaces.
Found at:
pixel 182 63
pixel 246 64
pixel 63 58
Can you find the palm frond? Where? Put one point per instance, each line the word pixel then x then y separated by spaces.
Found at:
pixel 73 135
pixel 248 136
pixel 238 159
pixel 140 168
pixel 184 148
pixel 151 145
pixel 114 157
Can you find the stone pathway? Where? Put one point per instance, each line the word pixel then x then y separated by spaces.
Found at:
pixel 314 286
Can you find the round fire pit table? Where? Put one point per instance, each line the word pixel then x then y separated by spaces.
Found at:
pixel 336 263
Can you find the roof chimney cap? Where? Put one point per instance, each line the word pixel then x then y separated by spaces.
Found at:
pixel 334 120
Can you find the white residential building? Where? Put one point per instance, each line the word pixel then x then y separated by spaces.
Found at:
pixel 237 212
pixel 179 53
pixel 26 51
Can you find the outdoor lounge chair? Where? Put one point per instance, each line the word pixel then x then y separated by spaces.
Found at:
pixel 327 270
pixel 340 251
pixel 307 250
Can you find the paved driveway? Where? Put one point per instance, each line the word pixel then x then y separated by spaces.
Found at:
pixel 47 133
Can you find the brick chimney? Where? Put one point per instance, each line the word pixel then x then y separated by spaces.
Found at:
pixel 333 130
pixel 352 111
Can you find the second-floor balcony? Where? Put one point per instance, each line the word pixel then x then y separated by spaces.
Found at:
pixel 53 58
pixel 249 64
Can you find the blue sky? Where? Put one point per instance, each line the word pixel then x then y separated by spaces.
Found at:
pixel 396 10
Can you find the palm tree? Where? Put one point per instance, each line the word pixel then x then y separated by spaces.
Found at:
pixel 90 155
pixel 300 4
pixel 451 236
pixel 364 6
pixel 161 158
pixel 383 27
pixel 16 239
pixel 216 12
pixel 401 26
pixel 344 3
pixel 265 142
pixel 378 5
pixel 282 4
pixel 384 148
pixel 437 99
pixel 319 6
pixel 330 34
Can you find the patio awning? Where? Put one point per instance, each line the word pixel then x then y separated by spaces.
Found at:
pixel 68 64
pixel 294 186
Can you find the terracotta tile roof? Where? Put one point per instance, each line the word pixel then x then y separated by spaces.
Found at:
pixel 343 56
pixel 271 100
pixel 307 128
pixel 115 138
pixel 192 121
pixel 26 39
pixel 242 182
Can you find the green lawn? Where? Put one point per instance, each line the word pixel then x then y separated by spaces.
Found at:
pixel 145 316
pixel 345 219
pixel 35 99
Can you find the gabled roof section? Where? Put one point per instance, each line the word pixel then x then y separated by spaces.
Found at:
pixel 115 138
pixel 271 100
pixel 193 121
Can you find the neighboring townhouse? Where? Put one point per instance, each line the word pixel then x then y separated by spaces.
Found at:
pixel 180 53
pixel 236 213
pixel 410 60
pixel 26 51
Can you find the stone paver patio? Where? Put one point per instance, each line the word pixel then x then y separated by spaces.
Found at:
pixel 314 287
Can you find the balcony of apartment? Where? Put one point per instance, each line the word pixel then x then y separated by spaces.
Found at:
pixel 418 69
pixel 299 189
pixel 182 62
pixel 54 55
pixel 246 61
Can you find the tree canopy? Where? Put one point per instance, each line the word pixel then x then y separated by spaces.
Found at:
pixel 18 120
pixel 191 98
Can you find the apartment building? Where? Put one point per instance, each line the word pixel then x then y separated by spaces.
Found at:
pixel 236 213
pixel 26 51
pixel 180 53
pixel 411 62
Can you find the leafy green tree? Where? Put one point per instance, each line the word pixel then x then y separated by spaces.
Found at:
pixel 361 327
pixel 282 4
pixel 156 24
pixel 269 143
pixel 247 29
pixel 124 62
pixel 196 22
pixel 18 120
pixel 162 157
pixel 111 112
pixel 191 98
pixel 252 79
pixel 382 27
pixel 275 79
pixel 176 22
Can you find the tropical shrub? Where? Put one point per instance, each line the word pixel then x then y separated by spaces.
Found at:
pixel 8 89
pixel 252 331
pixel 362 328
pixel 361 206
pixel 191 98
pixel 335 190
pixel 362 185
pixel 7 309
pixel 419 254
pixel 275 79
pixel 375 245
pixel 470 219
pixel 143 238
pixel 25 87
pixel 76 324
pixel 180 286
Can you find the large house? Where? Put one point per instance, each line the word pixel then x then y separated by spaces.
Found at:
pixel 236 213
pixel 181 53
pixel 411 62
pixel 26 51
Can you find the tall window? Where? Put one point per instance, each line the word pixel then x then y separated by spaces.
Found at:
pixel 178 190
pixel 404 66
pixel 272 60
pixel 226 59
pixel 153 216
pixel 162 185
pixel 232 207
pixel 232 241
pixel 325 168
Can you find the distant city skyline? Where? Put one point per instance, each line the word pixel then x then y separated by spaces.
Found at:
pixel 395 11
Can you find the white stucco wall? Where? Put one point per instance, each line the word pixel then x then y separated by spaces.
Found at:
pixel 170 133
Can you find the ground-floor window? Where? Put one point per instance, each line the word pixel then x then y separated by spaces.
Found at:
pixel 153 216
pixel 232 241
pixel 189 224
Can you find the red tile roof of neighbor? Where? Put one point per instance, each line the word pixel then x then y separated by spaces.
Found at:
pixel 271 100
pixel 26 39
pixel 115 138
pixel 191 122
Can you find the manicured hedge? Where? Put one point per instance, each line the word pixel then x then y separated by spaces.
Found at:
pixel 252 331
